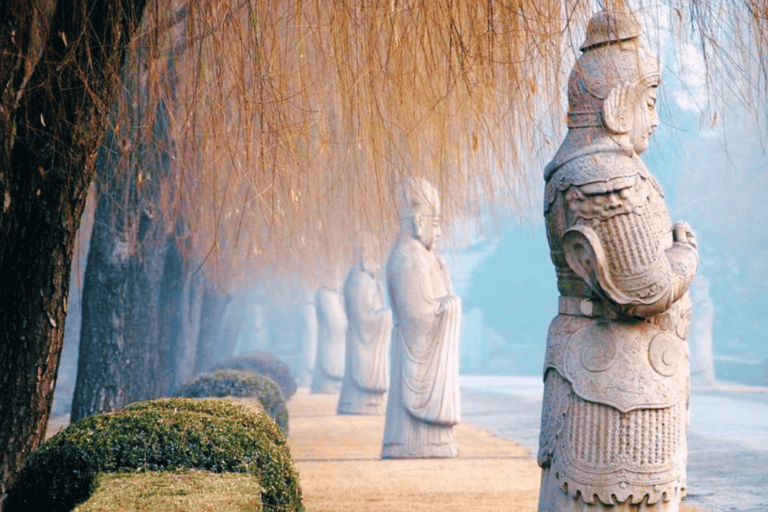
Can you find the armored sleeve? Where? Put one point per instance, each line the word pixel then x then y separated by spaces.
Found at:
pixel 621 243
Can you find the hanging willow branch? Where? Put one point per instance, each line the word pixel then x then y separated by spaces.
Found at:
pixel 294 120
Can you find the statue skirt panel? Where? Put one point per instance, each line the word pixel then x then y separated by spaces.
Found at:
pixel 599 458
pixel 614 416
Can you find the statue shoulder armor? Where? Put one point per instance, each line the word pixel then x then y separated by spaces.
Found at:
pixel 599 173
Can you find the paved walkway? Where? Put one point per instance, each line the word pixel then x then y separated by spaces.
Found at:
pixel 340 469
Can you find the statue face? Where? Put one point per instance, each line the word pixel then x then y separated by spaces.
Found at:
pixel 645 120
pixel 428 230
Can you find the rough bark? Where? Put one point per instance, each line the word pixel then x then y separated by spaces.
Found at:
pixel 56 73
pixel 211 319
pixel 181 300
pixel 123 341
pixel 65 382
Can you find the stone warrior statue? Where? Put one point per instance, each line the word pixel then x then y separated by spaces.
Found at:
pixel 614 418
pixel 369 326
pixel 423 403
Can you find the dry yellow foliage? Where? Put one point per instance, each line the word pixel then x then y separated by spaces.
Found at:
pixel 292 121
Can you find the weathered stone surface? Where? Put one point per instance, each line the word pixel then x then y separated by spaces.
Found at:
pixel 307 339
pixel 369 327
pixel 616 372
pixel 331 339
pixel 423 404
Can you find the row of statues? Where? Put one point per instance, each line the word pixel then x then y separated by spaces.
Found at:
pixel 616 376
pixel 404 362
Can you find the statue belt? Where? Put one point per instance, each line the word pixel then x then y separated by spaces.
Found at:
pixel 589 307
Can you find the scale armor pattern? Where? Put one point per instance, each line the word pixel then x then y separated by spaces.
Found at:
pixel 603 454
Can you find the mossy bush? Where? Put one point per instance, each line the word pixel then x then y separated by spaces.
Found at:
pixel 173 491
pixel 160 435
pixel 222 383
pixel 263 363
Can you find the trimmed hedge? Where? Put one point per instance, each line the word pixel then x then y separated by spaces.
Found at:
pixel 165 434
pixel 174 491
pixel 222 383
pixel 263 363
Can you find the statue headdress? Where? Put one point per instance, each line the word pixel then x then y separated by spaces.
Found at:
pixel 417 196
pixel 612 72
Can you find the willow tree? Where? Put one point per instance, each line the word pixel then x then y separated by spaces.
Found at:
pixel 297 119
pixel 60 61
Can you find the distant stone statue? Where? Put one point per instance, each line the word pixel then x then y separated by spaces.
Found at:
pixel 614 418
pixel 423 402
pixel 700 338
pixel 331 339
pixel 369 327
pixel 254 332
pixel 307 315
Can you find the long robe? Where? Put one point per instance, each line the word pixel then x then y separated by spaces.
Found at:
pixel 331 336
pixel 369 327
pixel 423 403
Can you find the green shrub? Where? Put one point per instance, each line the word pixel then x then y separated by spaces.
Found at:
pixel 223 383
pixel 263 363
pixel 165 434
pixel 171 491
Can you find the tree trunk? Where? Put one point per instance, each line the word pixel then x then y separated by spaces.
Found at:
pixel 191 317
pixel 65 382
pixel 231 325
pixel 211 319
pixel 57 68
pixel 120 358
pixel 169 299
pixel 183 299
pixel 122 342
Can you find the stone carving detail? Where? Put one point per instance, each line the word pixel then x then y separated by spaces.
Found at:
pixel 331 339
pixel 369 326
pixel 423 403
pixel 613 429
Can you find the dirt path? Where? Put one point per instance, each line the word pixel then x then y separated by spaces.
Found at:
pixel 340 469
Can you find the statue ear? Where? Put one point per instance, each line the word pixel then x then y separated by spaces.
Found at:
pixel 617 108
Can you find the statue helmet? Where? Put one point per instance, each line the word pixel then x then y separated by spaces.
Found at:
pixel 612 57
pixel 610 26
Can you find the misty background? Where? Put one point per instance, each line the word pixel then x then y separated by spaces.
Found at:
pixel 710 156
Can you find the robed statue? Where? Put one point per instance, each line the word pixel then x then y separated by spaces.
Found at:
pixel 616 377
pixel 423 402
pixel 331 337
pixel 369 327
